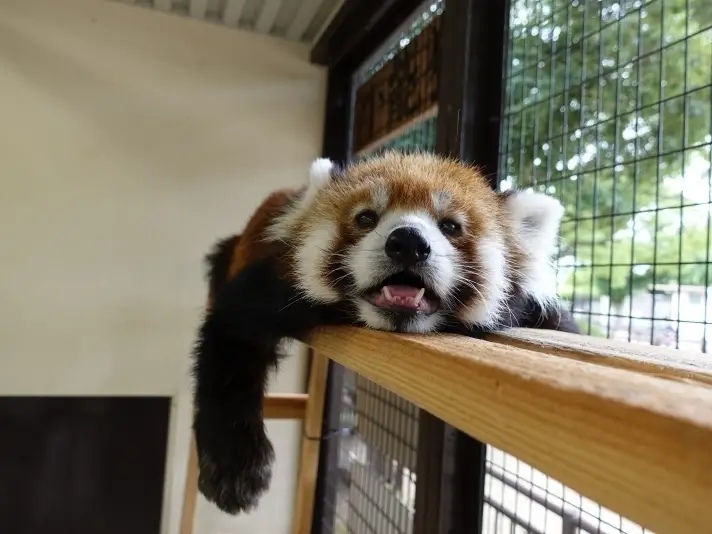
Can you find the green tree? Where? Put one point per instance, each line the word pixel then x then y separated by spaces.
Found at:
pixel 609 107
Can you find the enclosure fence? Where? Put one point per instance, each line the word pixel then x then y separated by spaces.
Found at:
pixel 607 106
pixel 371 487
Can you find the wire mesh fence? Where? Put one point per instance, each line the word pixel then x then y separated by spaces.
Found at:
pixel 374 485
pixel 375 480
pixel 608 107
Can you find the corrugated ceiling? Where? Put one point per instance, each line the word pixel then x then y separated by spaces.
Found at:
pixel 295 20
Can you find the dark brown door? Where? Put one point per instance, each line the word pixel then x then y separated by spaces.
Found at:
pixel 82 465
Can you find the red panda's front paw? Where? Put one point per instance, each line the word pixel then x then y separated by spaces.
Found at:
pixel 236 472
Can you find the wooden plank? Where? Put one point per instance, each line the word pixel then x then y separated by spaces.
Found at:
pixel 656 361
pixel 233 12
pixel 311 443
pixel 335 9
pixel 393 134
pixel 198 8
pixel 266 18
pixel 637 444
pixel 348 39
pixel 307 10
pixel 190 492
pixel 285 406
pixel 401 93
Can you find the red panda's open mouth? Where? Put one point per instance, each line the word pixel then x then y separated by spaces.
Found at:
pixel 404 292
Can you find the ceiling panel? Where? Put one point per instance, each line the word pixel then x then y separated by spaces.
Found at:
pixel 295 20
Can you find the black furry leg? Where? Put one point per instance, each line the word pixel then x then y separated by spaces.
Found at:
pixel 525 313
pixel 532 315
pixel 236 348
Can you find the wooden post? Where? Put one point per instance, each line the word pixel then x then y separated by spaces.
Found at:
pixel 311 443
pixel 190 494
pixel 276 406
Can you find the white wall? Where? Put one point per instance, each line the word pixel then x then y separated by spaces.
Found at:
pixel 130 140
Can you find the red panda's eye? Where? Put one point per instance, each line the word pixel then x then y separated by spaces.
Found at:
pixel 367 219
pixel 450 227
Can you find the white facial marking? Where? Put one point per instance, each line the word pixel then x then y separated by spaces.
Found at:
pixel 380 198
pixel 422 324
pixel 369 264
pixel 311 257
pixel 374 318
pixel 492 293
pixel 441 201
pixel 536 219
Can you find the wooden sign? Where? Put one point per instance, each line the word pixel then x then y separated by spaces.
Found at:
pixel 404 88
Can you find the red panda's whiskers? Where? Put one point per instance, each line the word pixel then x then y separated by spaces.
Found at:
pixel 287 244
pixel 459 301
pixel 340 278
pixel 300 296
pixel 334 270
pixel 474 287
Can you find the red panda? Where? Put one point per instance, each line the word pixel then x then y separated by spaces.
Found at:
pixel 408 243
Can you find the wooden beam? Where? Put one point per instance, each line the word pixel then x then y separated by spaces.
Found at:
pixel 285 406
pixel 311 443
pixel 233 12
pixel 190 492
pixel 397 132
pixel 163 5
pixel 637 444
pixel 656 361
pixel 266 18
pixel 359 28
pixel 198 8
pixel 338 4
pixel 307 10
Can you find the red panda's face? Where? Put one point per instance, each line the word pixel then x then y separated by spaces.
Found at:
pixel 413 242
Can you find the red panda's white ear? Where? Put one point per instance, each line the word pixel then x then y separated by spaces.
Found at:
pixel 537 218
pixel 319 177
pixel 320 173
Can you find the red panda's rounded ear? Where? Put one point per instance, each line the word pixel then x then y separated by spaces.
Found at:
pixel 320 173
pixel 536 217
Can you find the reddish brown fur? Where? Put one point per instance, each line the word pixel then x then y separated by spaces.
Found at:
pixel 410 182
pixel 251 245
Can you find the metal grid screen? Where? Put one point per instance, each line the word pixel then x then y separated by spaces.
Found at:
pixel 608 106
pixel 374 486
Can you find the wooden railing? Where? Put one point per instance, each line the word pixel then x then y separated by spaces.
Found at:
pixel 627 425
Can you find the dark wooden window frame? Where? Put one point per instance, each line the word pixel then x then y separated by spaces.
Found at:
pixel 451 465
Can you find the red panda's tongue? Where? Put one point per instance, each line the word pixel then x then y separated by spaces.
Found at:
pixel 402 297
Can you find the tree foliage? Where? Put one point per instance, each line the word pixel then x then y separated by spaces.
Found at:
pixel 609 107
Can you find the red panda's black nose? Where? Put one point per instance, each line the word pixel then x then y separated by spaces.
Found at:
pixel 407 247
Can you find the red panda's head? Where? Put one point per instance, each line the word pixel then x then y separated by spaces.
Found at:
pixel 415 242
